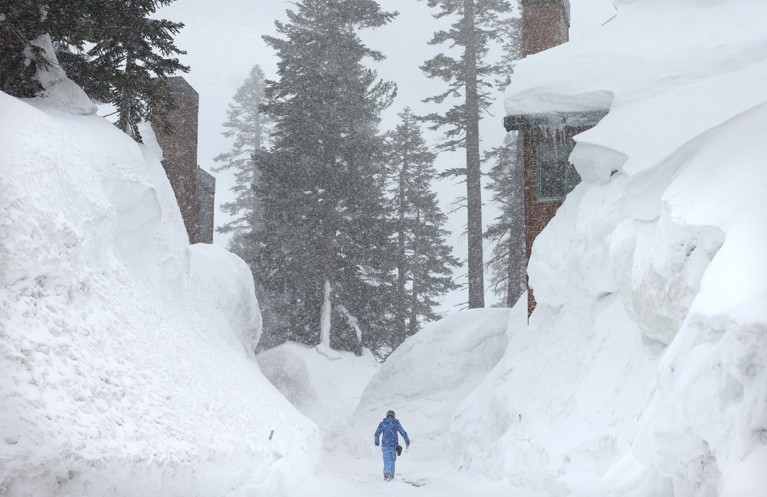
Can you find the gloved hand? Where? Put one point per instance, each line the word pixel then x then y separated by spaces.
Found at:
pixel 407 447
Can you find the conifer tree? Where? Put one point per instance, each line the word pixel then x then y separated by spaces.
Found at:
pixel 508 263
pixel 67 22
pixel 249 128
pixel 424 261
pixel 325 257
pixel 509 260
pixel 130 57
pixel 135 53
pixel 468 78
pixel 511 46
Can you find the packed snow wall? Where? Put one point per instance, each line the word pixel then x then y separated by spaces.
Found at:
pixel 127 362
pixel 325 390
pixel 425 379
pixel 643 371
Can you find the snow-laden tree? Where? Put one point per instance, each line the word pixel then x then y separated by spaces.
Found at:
pixel 508 264
pixel 134 52
pixel 468 74
pixel 424 261
pixel 249 129
pixel 129 52
pixel 325 257
pixel 510 31
pixel 509 261
pixel 67 22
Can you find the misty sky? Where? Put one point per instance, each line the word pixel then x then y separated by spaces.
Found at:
pixel 223 41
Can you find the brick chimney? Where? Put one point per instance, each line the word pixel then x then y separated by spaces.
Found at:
pixel 545 24
pixel 194 188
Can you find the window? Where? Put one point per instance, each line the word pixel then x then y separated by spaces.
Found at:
pixel 556 176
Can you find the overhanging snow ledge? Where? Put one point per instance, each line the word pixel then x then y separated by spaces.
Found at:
pixel 517 122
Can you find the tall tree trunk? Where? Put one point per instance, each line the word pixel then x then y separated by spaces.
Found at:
pixel 329 256
pixel 124 110
pixel 511 283
pixel 413 325
pixel 473 173
pixel 401 266
pixel 330 225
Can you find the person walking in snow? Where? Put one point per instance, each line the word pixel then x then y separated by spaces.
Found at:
pixel 390 427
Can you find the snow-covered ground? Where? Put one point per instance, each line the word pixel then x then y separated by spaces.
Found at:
pixel 344 476
pixel 126 363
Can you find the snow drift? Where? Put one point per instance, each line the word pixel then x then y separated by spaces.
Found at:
pixel 426 378
pixel 324 390
pixel 643 371
pixel 126 356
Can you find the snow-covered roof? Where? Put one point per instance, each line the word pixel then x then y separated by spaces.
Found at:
pixel 645 46
pixel 666 71
pixel 553 120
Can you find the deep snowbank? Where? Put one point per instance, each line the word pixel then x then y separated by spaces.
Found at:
pixel 643 371
pixel 324 390
pixel 426 378
pixel 126 356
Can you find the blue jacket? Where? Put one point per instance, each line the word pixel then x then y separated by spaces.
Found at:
pixel 389 427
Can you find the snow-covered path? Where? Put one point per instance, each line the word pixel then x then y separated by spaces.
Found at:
pixel 349 396
pixel 342 476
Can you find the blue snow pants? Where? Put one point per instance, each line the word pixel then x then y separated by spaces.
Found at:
pixel 389 457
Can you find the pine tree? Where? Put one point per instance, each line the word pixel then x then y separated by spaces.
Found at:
pixel 324 256
pixel 467 76
pixel 68 22
pixel 131 56
pixel 511 46
pixel 508 263
pixel 424 262
pixel 249 128
pixel 135 53
pixel 509 260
